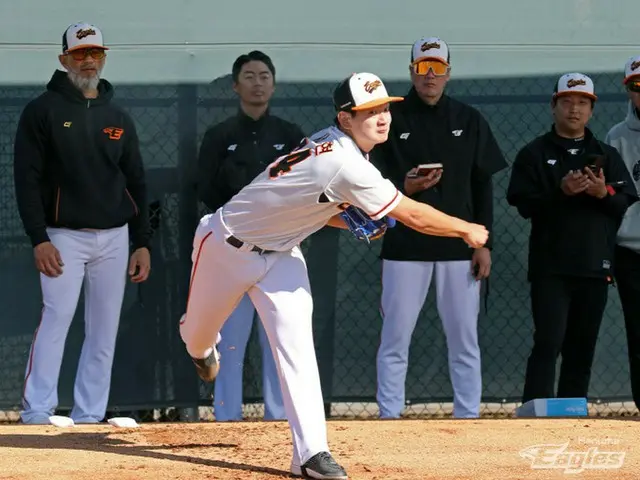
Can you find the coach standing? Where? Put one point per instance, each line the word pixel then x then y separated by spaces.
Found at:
pixel 81 194
pixel 231 155
pixel 625 137
pixel 431 127
pixel 559 181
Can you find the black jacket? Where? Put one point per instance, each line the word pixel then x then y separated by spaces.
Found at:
pixel 570 235
pixel 236 150
pixel 77 164
pixel 456 135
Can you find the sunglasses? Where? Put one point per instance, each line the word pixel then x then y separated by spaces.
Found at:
pixel 81 54
pixel 634 86
pixel 438 68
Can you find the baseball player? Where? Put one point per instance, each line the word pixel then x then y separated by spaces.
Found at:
pixel 250 245
pixel 81 194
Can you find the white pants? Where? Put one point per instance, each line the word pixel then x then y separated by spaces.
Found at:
pixel 228 392
pixel 404 290
pixel 98 259
pixel 278 286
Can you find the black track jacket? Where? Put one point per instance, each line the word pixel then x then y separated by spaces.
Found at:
pixel 458 136
pixel 77 164
pixel 570 235
pixel 236 150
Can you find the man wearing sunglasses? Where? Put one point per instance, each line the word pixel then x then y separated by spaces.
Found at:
pixel 81 194
pixel 625 137
pixel 460 155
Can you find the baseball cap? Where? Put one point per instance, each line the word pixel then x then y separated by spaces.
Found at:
pixel 574 83
pixel 430 48
pixel 361 91
pixel 632 68
pixel 82 35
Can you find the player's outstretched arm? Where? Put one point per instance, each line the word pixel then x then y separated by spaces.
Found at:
pixel 426 219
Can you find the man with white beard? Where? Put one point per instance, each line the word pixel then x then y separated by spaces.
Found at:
pixel 81 193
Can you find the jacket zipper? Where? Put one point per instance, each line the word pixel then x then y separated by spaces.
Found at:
pixel 57 205
pixel 135 206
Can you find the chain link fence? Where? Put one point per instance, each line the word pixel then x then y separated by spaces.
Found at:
pixel 153 378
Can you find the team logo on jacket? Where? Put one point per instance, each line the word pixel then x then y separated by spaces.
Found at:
pixel 114 132
pixel 636 171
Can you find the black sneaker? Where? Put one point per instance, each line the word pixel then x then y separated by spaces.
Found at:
pixel 209 367
pixel 321 466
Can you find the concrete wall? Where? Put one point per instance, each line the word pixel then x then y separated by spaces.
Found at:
pixel 197 40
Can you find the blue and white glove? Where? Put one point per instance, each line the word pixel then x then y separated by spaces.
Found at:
pixel 364 227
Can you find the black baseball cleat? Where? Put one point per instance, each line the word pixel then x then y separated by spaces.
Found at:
pixel 321 466
pixel 208 367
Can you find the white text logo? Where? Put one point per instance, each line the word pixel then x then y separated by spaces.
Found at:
pixel 560 457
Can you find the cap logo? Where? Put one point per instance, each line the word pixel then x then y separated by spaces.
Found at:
pixel 429 46
pixel 80 34
pixel 369 87
pixel 575 82
pixel 635 65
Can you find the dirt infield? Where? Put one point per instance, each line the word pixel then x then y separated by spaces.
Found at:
pixel 373 449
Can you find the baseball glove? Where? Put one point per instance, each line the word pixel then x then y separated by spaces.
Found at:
pixel 364 227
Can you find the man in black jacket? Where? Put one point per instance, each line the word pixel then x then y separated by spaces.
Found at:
pixel 231 155
pixel 81 194
pixel 575 189
pixel 430 127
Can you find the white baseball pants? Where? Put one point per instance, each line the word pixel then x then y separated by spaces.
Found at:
pixel 405 285
pixel 98 259
pixel 278 286
pixel 228 392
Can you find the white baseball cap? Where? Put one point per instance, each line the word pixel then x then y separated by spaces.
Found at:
pixel 430 48
pixel 82 35
pixel 632 68
pixel 361 91
pixel 574 83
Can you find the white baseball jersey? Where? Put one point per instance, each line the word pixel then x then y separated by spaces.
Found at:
pixel 298 193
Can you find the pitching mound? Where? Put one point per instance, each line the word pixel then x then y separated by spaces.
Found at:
pixel 404 449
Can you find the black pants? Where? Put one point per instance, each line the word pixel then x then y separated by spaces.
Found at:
pixel 567 313
pixel 627 274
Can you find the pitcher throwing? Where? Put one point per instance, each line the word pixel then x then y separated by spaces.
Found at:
pixel 251 245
